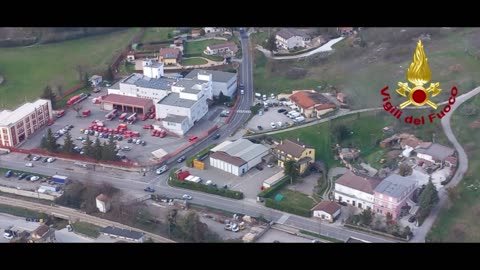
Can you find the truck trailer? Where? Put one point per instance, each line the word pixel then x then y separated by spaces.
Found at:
pixel 59 179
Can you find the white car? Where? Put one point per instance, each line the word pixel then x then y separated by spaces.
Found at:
pixel 273 125
pixel 186 197
pixel 34 178
pixel 29 164
pixel 7 236
pixel 50 160
pixel 162 169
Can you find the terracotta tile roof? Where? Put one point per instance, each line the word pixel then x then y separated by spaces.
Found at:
pixel 103 198
pixel 362 183
pixel 294 148
pixel 327 206
pixel 169 53
pixel 307 99
pixel 127 100
pixel 451 159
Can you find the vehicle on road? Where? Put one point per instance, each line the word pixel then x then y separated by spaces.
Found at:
pixel 126 148
pixel 260 168
pixel 181 159
pixel 8 173
pixel 192 138
pixel 242 92
pixel 412 219
pixel 149 189
pixel 272 124
pixel 270 165
pixel 36 158
pixel 187 197
pixel 51 159
pixel 29 164
pixel 216 136
pixel 162 169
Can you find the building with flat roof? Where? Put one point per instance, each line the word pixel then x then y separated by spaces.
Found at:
pixel 18 125
pixel 237 157
pixel 392 194
pixel 225 82
pixel 123 234
pixel 126 104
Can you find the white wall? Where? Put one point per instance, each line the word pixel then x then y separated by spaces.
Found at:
pixel 218 87
pixel 178 128
pixel 426 157
pixel 101 206
pixel 153 72
pixel 319 213
pixel 195 113
pixel 142 92
pixel 350 194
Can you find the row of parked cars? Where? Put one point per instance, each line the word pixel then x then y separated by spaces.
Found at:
pixel 62 131
pixel 21 176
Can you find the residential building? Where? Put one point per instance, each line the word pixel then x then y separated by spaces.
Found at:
pixel 356 190
pixel 451 161
pixel 237 157
pixel 222 82
pixel 311 103
pixel 302 154
pixel 224 49
pixel 196 32
pixel 392 194
pixel 341 97
pixel 42 234
pixel 123 234
pixel 214 29
pixel 345 31
pixel 435 153
pixel 170 56
pixel 103 203
pixel 152 68
pixel 18 125
pixel 327 210
pixel 95 80
pixel 289 39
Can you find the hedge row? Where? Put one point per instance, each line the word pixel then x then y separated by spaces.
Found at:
pixel 271 203
pixel 271 190
pixel 208 189
pixel 189 161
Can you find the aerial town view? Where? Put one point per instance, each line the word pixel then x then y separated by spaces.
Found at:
pixel 239 135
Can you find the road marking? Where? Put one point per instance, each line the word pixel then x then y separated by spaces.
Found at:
pixel 283 218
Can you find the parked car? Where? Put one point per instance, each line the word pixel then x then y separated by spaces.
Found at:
pixel 29 164
pixel 216 136
pixel 126 148
pixel 281 110
pixel 149 189
pixel 36 158
pixel 412 219
pixel 162 169
pixel 187 197
pixel 270 165
pixel 34 178
pixel 8 236
pixel 50 160
pixel 260 127
pixel 260 168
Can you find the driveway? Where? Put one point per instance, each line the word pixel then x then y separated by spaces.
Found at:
pixel 324 48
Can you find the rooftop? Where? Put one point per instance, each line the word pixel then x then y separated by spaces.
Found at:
pixel 395 185
pixel 40 231
pixel 127 100
pixel 122 232
pixel 236 161
pixel 292 147
pixel 223 45
pixel 362 183
pixel 437 151
pixel 173 99
pixel 169 53
pixel 192 86
pixel 173 118
pixel 288 33
pixel 147 82
pixel 307 99
pixel 217 76
pixel 103 198
pixel 8 117
pixel 327 206
pixel 244 149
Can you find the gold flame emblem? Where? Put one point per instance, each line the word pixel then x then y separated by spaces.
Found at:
pixel 419 74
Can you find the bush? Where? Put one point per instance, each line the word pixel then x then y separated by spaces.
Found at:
pixel 288 208
pixel 272 190
pixel 208 189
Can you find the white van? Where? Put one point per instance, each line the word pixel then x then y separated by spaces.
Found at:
pixel 264 97
pixel 162 169
pixel 299 119
pixel 258 95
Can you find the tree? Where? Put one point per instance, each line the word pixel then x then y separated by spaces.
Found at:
pixel 407 232
pixel 202 32
pixel 49 94
pixel 77 107
pixel 290 169
pixel 427 200
pixel 68 143
pixel 405 169
pixel 195 230
pixel 366 217
pixel 109 151
pixel 51 142
pixel 60 90
pixel 271 44
pixel 109 74
pixel 79 70
pixel 389 218
pixel 341 132
pixel 86 83
pixel 97 150
pixel 88 148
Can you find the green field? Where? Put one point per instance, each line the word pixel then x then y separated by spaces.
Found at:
pixel 193 61
pixel 459 221
pixel 362 72
pixel 296 198
pixel 367 133
pixel 28 70
pixel 87 229
pixel 21 212
pixel 196 48
pixel 156 34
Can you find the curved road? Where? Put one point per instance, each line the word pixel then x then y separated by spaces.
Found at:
pixel 324 48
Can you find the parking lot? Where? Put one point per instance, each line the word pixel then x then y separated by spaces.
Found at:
pixel 272 115
pixel 137 152
pixel 249 183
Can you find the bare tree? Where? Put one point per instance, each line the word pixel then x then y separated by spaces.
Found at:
pixel 77 107
pixel 60 90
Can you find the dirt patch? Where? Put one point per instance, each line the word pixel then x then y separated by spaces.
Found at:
pixel 393 154
pixel 458 232
pixel 473 125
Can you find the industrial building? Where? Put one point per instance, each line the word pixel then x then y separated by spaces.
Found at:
pixel 126 104
pixel 225 82
pixel 237 157
pixel 123 234
pixel 17 126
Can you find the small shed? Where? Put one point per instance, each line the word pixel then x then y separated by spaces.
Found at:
pixel 327 210
pixel 103 203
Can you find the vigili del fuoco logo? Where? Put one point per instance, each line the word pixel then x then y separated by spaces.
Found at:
pixel 418 74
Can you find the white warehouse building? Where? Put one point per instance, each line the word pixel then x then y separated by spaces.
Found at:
pixel 225 82
pixel 237 157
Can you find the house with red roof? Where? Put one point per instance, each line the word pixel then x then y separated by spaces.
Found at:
pixel 170 56
pixel 326 210
pixel 312 104
pixel 355 189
